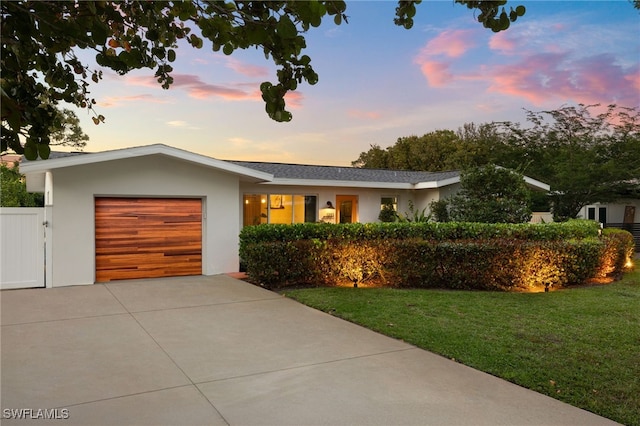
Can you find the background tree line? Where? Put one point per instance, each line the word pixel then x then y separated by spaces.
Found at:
pixel 585 157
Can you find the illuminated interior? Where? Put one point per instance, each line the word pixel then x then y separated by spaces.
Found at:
pixel 279 208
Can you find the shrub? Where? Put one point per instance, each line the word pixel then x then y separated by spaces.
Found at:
pixel 618 250
pixel 491 194
pixel 440 210
pixel 450 255
pixel 388 213
pixel 415 215
pixel 556 263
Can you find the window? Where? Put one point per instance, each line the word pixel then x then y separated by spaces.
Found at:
pixel 279 208
pixel 255 209
pixel 388 209
pixel 389 201
pixel 602 214
pixel 597 213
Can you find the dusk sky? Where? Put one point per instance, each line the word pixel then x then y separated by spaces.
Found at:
pixel 379 82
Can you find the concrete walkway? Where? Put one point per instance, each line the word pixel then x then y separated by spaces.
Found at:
pixel 219 351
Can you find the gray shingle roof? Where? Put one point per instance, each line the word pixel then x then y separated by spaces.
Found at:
pixel 326 173
pixel 308 172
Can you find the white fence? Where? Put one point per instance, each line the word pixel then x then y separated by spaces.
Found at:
pixel 22 249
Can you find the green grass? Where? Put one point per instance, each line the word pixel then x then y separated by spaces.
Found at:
pixel 579 345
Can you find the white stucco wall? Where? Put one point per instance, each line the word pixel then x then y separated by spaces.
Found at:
pixel 424 197
pixel 73 217
pixel 368 199
pixel 615 211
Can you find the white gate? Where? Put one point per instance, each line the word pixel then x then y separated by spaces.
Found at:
pixel 22 247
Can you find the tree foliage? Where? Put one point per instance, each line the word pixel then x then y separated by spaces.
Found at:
pixel 67 132
pixel 13 189
pixel 471 146
pixel 491 194
pixel 433 151
pixel 585 156
pixel 40 67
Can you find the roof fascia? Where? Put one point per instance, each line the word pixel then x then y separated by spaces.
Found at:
pixel 437 183
pixel 536 184
pixel 339 183
pixel 34 167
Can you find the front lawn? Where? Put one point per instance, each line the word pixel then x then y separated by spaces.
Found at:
pixel 580 345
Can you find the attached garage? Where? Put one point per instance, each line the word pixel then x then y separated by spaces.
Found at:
pixel 143 212
pixel 147 237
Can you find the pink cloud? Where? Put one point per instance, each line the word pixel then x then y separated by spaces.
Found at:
pixel 196 88
pixel 437 73
pixel 292 99
pixel 112 101
pixel 450 43
pixel 145 81
pixel 634 79
pixel 247 69
pixel 551 77
pixel 366 115
pixel 540 74
pixel 503 42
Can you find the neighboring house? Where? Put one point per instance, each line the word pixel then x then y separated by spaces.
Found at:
pixel 622 211
pixel 155 210
pixel 624 214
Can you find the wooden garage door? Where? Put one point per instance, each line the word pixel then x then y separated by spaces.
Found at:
pixel 147 238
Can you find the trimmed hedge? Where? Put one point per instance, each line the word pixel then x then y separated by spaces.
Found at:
pixel 424 230
pixel 444 255
pixel 619 249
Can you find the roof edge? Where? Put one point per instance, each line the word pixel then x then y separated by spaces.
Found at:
pixel 339 183
pixel 34 167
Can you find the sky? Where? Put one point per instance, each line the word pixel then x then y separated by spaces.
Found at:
pixel 379 82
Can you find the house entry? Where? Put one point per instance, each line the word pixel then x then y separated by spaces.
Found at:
pixel 347 208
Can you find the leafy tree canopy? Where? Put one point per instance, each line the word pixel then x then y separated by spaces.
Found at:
pixel 13 189
pixel 66 130
pixel 585 156
pixel 491 194
pixel 39 40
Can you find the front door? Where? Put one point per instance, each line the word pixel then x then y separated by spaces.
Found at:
pixel 347 208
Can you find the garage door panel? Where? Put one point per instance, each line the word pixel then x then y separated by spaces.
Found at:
pixel 148 238
pixel 152 262
pixel 174 250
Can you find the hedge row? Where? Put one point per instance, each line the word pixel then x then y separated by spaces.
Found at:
pixel 423 230
pixel 504 262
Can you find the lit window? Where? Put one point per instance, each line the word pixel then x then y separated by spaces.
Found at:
pixel 389 201
pixel 279 208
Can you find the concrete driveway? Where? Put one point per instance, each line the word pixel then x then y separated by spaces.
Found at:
pixel 218 351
